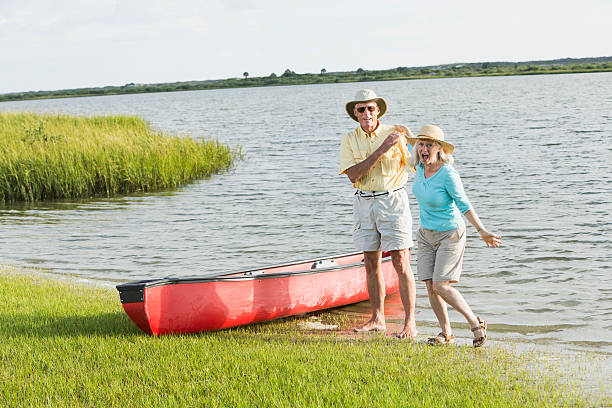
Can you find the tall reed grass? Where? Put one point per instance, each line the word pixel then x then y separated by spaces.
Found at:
pixel 52 156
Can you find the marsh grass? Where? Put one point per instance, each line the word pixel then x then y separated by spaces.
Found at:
pixel 53 156
pixel 70 345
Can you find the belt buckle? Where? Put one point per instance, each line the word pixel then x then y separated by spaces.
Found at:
pixel 374 195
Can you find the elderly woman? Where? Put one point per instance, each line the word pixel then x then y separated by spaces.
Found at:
pixel 441 236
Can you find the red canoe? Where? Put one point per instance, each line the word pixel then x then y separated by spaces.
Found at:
pixel 190 305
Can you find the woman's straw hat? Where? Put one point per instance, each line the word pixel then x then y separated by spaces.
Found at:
pixel 363 96
pixel 433 132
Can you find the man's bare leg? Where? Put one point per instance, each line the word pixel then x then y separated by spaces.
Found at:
pixel 407 287
pixel 376 290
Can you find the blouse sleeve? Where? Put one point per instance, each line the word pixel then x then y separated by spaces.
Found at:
pixel 454 187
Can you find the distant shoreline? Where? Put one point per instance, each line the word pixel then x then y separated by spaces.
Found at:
pixel 467 70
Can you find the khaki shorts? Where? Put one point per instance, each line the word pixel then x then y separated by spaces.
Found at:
pixel 382 223
pixel 440 254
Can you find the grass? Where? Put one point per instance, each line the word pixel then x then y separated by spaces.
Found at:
pixel 65 344
pixel 54 156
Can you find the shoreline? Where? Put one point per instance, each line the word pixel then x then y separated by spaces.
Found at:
pixel 571 368
pixel 61 156
pixel 448 72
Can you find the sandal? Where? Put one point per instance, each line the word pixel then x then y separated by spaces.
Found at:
pixel 482 325
pixel 441 338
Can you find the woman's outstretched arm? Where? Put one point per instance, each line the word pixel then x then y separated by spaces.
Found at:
pixel 489 238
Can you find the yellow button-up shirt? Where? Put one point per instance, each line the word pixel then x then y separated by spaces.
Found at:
pixel 389 172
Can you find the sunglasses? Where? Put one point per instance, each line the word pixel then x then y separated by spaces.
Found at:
pixel 363 108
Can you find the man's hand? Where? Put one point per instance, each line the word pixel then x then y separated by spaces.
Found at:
pixel 357 171
pixel 390 141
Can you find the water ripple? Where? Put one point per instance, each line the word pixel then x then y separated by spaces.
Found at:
pixel 532 152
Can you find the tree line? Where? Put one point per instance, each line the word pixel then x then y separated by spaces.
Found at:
pixel 290 77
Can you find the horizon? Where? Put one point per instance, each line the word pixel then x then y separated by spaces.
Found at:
pixel 71 44
pixel 310 73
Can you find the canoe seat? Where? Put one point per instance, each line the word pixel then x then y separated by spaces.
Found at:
pixel 254 273
pixel 325 263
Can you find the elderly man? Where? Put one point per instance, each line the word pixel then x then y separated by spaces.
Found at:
pixel 373 156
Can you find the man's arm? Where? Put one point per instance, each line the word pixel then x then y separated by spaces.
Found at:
pixel 360 169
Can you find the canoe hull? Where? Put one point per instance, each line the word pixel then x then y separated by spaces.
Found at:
pixel 191 305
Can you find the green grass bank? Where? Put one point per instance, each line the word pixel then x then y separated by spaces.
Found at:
pixel 54 156
pixel 64 344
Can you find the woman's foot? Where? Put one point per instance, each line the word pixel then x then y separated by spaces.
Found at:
pixel 441 338
pixel 480 332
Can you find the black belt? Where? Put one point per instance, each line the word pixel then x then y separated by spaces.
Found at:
pixel 374 194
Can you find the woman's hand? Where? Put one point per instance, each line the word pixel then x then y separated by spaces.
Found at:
pixel 404 129
pixel 492 240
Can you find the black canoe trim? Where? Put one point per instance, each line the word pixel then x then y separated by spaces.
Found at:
pixel 133 292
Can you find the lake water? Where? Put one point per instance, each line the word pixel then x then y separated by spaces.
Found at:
pixel 534 153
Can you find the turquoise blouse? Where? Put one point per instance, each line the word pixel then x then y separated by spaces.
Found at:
pixel 441 198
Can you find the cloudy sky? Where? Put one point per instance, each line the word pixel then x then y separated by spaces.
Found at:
pixel 61 44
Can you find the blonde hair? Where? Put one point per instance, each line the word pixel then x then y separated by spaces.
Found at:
pixel 414 160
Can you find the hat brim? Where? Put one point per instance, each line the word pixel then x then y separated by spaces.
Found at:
pixel 382 106
pixel 448 148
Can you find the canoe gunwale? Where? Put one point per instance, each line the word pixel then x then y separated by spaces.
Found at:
pixel 243 275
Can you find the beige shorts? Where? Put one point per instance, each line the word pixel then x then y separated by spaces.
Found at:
pixel 383 222
pixel 440 254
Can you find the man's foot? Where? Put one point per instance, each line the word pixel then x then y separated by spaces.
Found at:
pixel 371 326
pixel 409 332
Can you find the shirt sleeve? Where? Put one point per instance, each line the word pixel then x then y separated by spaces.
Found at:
pixel 454 187
pixel 347 158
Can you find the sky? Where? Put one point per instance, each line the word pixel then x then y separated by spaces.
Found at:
pixel 65 44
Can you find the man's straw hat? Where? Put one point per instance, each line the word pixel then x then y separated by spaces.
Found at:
pixel 363 96
pixel 433 132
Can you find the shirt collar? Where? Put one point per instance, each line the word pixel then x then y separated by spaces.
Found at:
pixel 373 134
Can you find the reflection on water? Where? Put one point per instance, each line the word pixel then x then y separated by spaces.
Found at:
pixel 54 211
pixel 533 153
